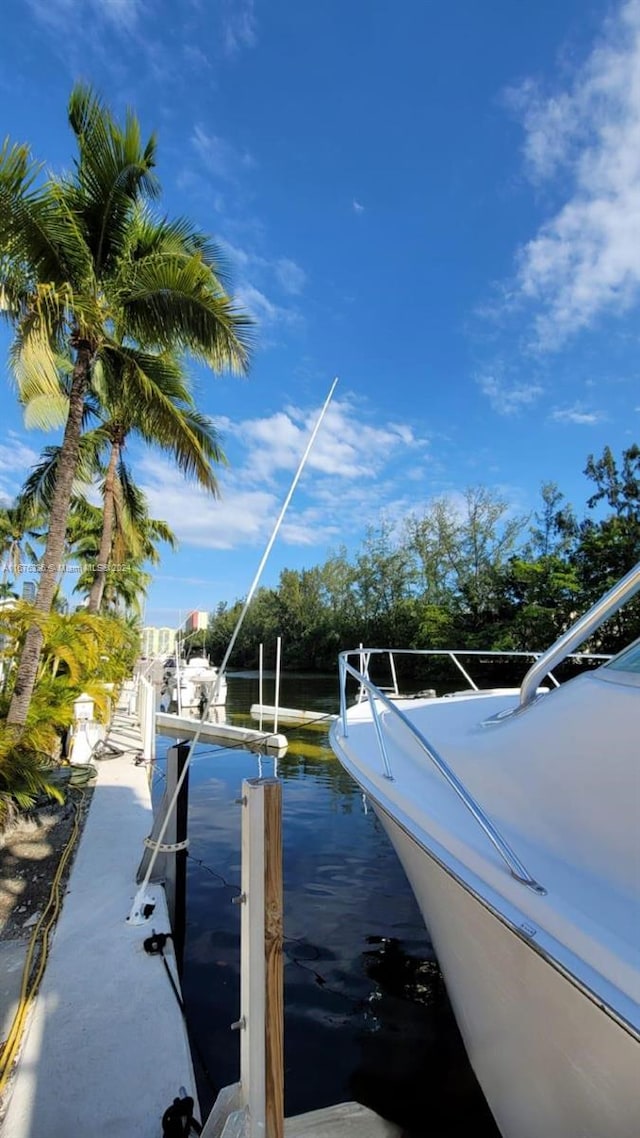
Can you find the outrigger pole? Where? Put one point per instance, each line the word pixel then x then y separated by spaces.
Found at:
pixel 143 903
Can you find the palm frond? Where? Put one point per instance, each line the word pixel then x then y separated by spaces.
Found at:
pixel 33 359
pixel 45 412
pixel 175 303
pixel 39 486
pixel 151 235
pixel 114 171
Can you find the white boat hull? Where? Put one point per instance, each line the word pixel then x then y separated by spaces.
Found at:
pixel 551 1062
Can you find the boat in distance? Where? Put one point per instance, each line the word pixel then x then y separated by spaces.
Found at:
pixel 189 683
pixel 515 814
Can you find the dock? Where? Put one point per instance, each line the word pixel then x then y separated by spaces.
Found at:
pixel 227 735
pixel 290 715
pixel 106 1049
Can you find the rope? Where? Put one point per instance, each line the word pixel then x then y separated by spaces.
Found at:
pixel 154 946
pixel 30 984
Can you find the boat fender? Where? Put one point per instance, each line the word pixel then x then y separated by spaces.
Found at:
pixel 178 1120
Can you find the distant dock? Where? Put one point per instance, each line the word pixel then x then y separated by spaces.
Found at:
pixel 290 715
pixel 227 735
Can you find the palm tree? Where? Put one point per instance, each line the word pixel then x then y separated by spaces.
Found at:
pixel 86 269
pixel 81 653
pixel 17 523
pixel 135 539
pixel 173 424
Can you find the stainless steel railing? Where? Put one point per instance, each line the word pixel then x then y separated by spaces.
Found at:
pixel 609 604
pixel 454 655
pixel 376 696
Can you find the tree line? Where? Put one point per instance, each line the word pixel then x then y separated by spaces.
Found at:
pixel 465 573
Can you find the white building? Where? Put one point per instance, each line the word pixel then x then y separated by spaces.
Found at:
pixel 158 641
pixel 197 622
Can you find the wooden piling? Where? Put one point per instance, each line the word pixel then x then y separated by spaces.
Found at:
pixel 261 984
pixel 274 1000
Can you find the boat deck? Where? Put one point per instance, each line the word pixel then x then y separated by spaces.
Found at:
pixel 106 1049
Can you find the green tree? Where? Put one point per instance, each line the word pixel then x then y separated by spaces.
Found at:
pixel 541 582
pixel 135 540
pixel 85 268
pixel 609 546
pixel 463 545
pixel 385 579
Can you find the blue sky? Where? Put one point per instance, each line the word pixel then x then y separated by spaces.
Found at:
pixel 438 203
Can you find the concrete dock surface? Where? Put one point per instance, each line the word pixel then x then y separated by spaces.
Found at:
pixel 105 1050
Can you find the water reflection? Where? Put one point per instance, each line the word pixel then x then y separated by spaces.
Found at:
pixel 366 1013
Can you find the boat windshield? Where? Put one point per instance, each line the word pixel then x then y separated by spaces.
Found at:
pixel 627 661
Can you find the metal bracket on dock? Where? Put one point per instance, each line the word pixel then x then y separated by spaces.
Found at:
pixel 166 847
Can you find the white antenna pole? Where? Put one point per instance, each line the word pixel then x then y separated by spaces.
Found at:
pixel 178 674
pixel 276 528
pixel 136 916
pixel 260 657
pixel 277 691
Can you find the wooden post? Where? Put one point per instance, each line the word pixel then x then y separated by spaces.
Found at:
pixel 274 999
pixel 261 984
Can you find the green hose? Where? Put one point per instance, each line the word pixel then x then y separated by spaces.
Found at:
pixel 73 774
pixel 82 774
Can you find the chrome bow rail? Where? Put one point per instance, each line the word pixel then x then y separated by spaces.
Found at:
pixel 610 603
pixel 458 654
pixel 377 697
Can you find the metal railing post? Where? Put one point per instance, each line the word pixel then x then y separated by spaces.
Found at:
pixel 342 673
pixel 147 717
pixel 380 737
pixel 513 863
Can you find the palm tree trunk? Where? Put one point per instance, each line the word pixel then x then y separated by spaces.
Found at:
pixel 30 658
pixel 106 538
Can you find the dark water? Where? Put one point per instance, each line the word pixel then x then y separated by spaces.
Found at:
pixel 366 1012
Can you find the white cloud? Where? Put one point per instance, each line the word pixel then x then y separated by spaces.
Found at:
pixel 123 15
pixel 219 156
pixel 240 517
pixel 345 447
pixel 290 275
pixel 265 311
pixel 508 399
pixel 577 415
pixel 16 459
pixel 195 58
pixel 585 260
pixel 251 267
pixel 239 26
pixel 357 206
pixel 349 457
pixel 16 456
